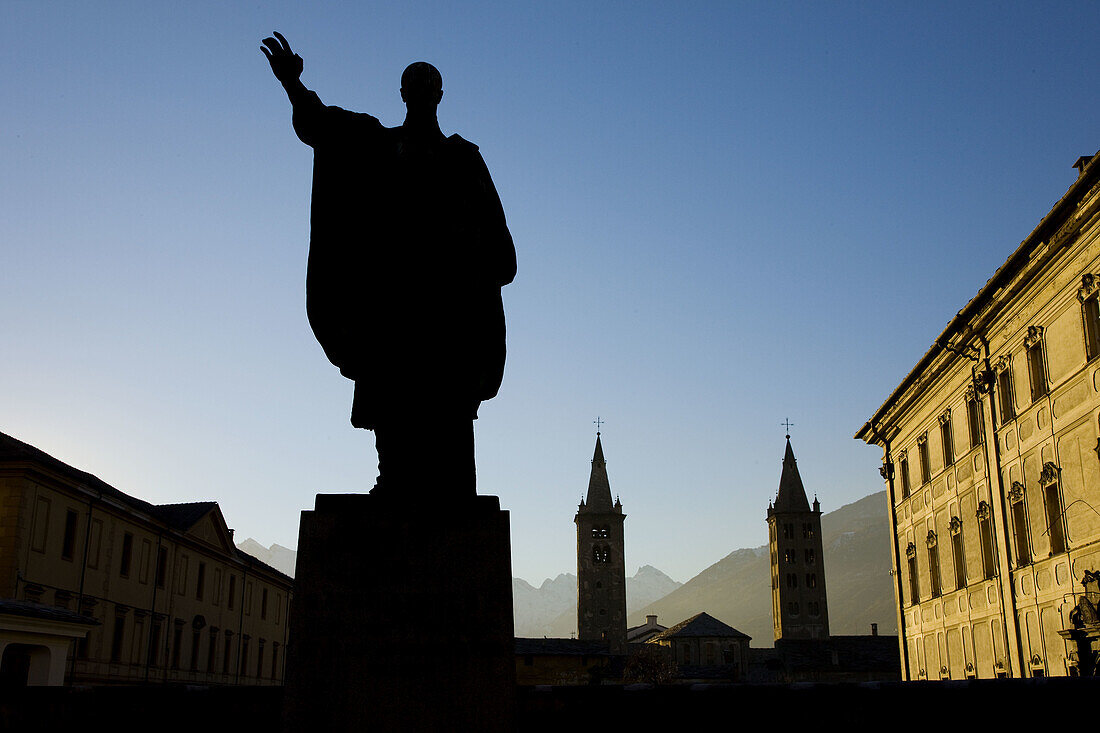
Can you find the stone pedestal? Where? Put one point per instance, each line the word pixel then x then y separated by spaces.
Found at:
pixel 402 618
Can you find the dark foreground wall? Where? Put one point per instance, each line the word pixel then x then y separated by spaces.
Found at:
pixel 1060 702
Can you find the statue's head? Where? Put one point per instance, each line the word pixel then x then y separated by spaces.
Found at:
pixel 421 86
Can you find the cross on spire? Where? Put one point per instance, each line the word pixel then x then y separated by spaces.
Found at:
pixel 598 422
pixel 787 424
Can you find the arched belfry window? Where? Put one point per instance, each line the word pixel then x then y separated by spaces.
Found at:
pixel 601 532
pixel 601 554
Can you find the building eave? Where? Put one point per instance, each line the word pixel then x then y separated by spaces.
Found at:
pixel 1013 266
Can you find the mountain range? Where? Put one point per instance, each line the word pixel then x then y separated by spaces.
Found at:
pixel 856 549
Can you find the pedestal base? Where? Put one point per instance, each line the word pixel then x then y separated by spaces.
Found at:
pixel 401 618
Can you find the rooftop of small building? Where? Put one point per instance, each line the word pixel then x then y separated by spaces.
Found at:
pixel 700 625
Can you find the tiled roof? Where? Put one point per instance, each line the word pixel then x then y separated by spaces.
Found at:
pixel 180 517
pixel 702 624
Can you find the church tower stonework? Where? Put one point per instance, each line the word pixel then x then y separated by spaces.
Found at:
pixel 799 607
pixel 601 565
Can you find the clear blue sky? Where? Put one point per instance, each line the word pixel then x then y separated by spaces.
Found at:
pixel 726 214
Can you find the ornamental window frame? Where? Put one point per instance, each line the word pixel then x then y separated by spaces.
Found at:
pixel 914 579
pixel 973 416
pixel 1036 363
pixel 903 469
pixel 947 438
pixel 925 461
pixel 1006 392
pixel 934 563
pixel 958 554
pixel 1089 296
pixel 1017 498
pixel 1052 504
pixel 984 515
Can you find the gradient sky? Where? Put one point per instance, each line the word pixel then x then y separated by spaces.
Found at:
pixel 726 214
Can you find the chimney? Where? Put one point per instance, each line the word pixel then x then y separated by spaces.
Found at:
pixel 651 620
pixel 874 629
pixel 1081 163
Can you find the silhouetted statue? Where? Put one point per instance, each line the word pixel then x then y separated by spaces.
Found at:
pixel 408 252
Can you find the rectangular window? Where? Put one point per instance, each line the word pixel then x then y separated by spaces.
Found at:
pixel 925 463
pixel 232 597
pixel 974 419
pixel 811 580
pixel 244 657
pixel 177 644
pixel 948 441
pixel 934 569
pixel 227 653
pixel 248 598
pixel 959 559
pixel 68 541
pixel 196 642
pixel 278 607
pixel 275 660
pixel 116 639
pixel 1090 310
pixel 127 555
pixel 263 604
pixel 41 524
pixel 1005 394
pixel 181 575
pixel 260 659
pixel 1053 500
pixel 217 586
pixel 904 470
pixel 162 566
pixel 1019 526
pixel 914 579
pixel 211 650
pixel 139 636
pixel 154 643
pixel 810 557
pixel 201 584
pixel 146 552
pixel 985 536
pixel 1037 367
pixel 94 542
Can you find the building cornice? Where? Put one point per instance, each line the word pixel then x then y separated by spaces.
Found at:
pixel 1055 230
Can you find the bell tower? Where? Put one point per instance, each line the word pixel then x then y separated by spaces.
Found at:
pixel 799 607
pixel 601 566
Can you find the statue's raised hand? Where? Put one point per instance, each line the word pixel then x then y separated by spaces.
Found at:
pixel 285 64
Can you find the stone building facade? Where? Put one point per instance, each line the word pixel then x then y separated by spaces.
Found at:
pixel 990 461
pixel 800 609
pixel 601 562
pixel 174 599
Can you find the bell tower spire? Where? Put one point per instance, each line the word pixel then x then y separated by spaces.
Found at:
pixel 601 565
pixel 799 605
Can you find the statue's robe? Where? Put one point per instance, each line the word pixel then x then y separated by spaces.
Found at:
pixel 408 252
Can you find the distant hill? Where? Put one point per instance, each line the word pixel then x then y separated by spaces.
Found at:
pixel 279 557
pixel 736 589
pixel 551 609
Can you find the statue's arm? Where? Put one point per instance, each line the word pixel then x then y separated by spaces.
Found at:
pixel 287 68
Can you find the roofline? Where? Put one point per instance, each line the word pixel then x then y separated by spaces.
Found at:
pixel 1004 274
